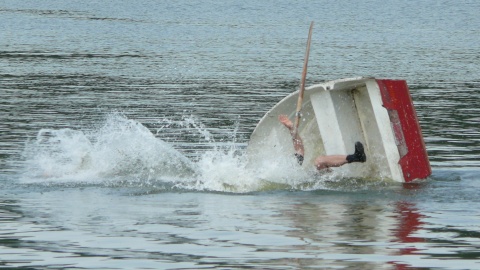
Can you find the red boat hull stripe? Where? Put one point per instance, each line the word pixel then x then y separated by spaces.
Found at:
pixel 396 97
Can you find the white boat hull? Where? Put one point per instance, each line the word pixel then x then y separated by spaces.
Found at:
pixel 336 114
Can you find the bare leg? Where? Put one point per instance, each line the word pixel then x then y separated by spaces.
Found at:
pixel 297 141
pixel 325 162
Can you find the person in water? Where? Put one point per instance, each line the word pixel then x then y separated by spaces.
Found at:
pixel 322 162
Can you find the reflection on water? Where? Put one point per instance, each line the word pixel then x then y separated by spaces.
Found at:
pixel 409 223
pixel 301 229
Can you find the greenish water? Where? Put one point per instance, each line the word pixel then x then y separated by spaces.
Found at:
pixel 123 127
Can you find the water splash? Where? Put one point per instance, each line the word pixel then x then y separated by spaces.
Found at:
pixel 123 152
pixel 120 148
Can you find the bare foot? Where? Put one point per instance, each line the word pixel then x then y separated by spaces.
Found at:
pixel 285 121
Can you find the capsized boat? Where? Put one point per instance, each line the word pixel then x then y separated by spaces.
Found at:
pixel 377 112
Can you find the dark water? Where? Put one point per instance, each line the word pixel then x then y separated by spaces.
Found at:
pixel 123 126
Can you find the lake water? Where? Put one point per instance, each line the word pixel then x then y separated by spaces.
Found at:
pixel 123 126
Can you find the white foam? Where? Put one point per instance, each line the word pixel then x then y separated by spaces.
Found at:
pixel 124 152
pixel 120 147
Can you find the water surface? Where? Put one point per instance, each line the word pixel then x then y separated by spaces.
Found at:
pixel 123 129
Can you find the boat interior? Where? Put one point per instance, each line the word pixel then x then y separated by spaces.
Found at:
pixel 334 116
